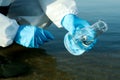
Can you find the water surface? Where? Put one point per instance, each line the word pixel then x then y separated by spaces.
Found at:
pixel 54 62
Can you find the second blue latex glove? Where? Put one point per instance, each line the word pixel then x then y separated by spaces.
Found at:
pixel 32 37
pixel 77 35
pixel 71 22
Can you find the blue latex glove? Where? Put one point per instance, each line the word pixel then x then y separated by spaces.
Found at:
pixel 32 37
pixel 72 39
pixel 71 22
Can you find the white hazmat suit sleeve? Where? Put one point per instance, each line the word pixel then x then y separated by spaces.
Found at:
pixel 8 27
pixel 8 30
pixel 57 9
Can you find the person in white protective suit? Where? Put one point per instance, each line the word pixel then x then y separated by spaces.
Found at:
pixel 31 14
pixel 23 22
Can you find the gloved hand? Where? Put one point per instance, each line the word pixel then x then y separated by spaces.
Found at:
pixel 32 37
pixel 77 35
pixel 71 22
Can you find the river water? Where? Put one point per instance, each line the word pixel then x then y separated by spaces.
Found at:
pixel 53 62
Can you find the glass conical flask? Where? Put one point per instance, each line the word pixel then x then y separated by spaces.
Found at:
pixel 85 38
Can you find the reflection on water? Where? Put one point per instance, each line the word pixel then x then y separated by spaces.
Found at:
pixel 93 65
pixel 42 66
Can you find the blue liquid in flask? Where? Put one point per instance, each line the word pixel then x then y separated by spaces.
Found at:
pixel 85 38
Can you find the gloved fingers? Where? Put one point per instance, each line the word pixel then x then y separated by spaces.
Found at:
pixel 44 34
pixel 78 23
pixel 40 35
pixel 48 35
pixel 38 42
pixel 72 22
pixel 81 23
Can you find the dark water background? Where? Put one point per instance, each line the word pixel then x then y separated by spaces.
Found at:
pixel 54 62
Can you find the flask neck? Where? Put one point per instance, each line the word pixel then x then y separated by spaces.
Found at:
pixel 99 27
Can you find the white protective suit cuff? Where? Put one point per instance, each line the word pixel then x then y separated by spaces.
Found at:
pixel 57 16
pixel 57 9
pixel 8 30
